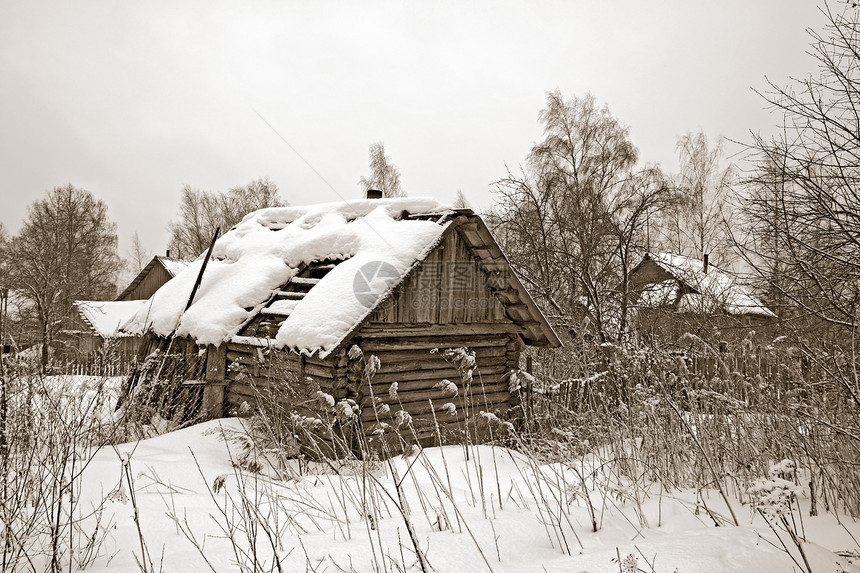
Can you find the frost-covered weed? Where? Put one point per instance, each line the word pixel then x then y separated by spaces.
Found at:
pixel 774 495
pixel 447 387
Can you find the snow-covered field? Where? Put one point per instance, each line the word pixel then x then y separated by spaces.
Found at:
pixel 179 502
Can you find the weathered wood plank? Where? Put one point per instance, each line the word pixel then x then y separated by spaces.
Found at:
pixel 426 407
pixel 377 330
pixel 417 395
pixel 428 343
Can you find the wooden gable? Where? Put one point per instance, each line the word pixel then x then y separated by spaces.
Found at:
pixel 450 286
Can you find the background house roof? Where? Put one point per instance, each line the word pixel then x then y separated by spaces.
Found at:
pixel 375 243
pixel 716 290
pixel 172 266
pixel 106 316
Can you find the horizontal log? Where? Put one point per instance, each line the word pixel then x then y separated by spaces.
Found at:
pixel 428 343
pixel 249 393
pixel 279 367
pixel 436 373
pixel 383 330
pixel 392 356
pixel 426 407
pixel 422 395
pixel 274 386
pixel 289 295
pixel 240 348
pixel 381 390
pixel 452 431
pixel 436 363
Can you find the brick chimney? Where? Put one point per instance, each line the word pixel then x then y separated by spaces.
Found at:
pixel 373 194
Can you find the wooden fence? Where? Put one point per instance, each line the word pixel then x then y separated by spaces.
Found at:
pixel 98 368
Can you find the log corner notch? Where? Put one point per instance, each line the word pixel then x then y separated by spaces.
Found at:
pixel 212 406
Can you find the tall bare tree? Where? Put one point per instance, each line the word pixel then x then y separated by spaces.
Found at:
pixel 201 212
pixel 138 255
pixel 4 245
pixel 65 251
pixel 695 222
pixel 384 174
pixel 574 218
pixel 801 206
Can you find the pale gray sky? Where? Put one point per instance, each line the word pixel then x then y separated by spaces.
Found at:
pixel 131 100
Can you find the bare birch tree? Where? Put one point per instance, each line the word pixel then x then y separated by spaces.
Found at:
pixel 138 255
pixel 573 220
pixel 384 174
pixel 695 222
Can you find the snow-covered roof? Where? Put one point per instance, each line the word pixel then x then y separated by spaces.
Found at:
pixel 267 249
pixel 107 316
pixel 173 266
pixel 712 291
pixel 373 244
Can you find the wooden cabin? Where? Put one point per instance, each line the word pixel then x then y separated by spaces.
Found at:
pixel 290 295
pixel 674 295
pixel 92 336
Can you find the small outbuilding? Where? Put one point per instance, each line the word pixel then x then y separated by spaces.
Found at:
pixel 300 298
pixel 92 334
pixel 91 337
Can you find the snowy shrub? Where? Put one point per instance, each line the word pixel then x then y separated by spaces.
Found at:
pixel 355 352
pixel 773 496
pixel 344 411
pixel 325 399
pixel 371 366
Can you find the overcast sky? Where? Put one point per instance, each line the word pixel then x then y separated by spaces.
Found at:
pixel 132 100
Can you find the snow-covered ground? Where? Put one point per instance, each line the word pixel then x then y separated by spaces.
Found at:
pixel 489 512
pixel 180 502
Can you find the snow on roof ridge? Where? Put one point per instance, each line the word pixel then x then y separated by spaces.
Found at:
pixel 274 216
pixel 720 285
pixel 267 248
pixel 171 265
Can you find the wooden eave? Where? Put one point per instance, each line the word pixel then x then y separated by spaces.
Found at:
pixel 519 304
pixel 86 321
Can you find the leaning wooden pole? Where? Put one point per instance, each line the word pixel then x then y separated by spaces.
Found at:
pixel 166 344
pixel 199 276
pixel 197 282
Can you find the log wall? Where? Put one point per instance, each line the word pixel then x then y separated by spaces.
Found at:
pixel 254 372
pixel 448 302
pixel 408 357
